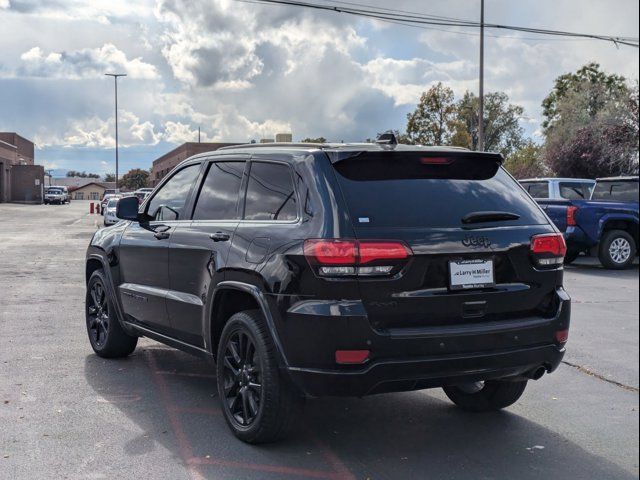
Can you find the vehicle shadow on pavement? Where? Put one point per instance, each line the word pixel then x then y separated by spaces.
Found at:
pixel 593 267
pixel 172 398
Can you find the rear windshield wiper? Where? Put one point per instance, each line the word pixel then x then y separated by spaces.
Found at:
pixel 477 217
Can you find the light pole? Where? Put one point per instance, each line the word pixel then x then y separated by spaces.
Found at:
pixel 115 81
pixel 481 112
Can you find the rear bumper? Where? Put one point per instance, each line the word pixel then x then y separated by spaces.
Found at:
pixel 412 374
pixel 412 359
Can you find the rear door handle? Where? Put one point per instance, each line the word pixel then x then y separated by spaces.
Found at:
pixel 162 235
pixel 219 237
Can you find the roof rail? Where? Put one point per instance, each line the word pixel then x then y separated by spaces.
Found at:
pixel 275 144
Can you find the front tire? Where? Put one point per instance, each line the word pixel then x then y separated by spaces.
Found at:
pixel 617 250
pixel 106 335
pixel 258 402
pixel 486 396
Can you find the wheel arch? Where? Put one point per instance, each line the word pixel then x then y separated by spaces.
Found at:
pixel 95 261
pixel 626 223
pixel 231 297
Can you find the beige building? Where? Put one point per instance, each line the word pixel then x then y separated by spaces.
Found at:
pixel 91 191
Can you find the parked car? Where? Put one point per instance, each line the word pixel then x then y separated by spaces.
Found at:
pixel 142 194
pixel 110 217
pixel 605 226
pixel 55 195
pixel 333 269
pixel 559 188
pixel 105 200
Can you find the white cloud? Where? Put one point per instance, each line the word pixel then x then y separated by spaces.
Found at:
pixel 94 132
pixel 84 63
pixel 5 4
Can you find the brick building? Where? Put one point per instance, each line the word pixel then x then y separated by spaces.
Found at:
pixel 165 163
pixel 20 179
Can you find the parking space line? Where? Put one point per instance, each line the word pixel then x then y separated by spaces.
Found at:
pixel 185 374
pixel 200 411
pixel 192 462
pixel 302 472
pixel 184 445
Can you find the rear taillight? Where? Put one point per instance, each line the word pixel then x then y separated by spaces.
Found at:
pixel 548 249
pixel 571 216
pixel 338 257
pixel 562 336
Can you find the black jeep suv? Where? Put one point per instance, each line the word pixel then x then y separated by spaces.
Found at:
pixel 336 269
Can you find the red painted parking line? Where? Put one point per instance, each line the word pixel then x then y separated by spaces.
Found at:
pixel 200 411
pixel 185 374
pixel 192 462
pixel 302 472
pixel 330 456
pixel 184 445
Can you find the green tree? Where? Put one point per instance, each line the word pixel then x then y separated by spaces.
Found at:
pixel 502 130
pixel 595 130
pixel 83 174
pixel 597 86
pixel 527 162
pixel 314 140
pixel 135 178
pixel 430 123
pixel 110 177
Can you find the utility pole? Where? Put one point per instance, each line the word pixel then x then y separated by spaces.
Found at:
pixel 115 80
pixel 481 112
pixel 198 134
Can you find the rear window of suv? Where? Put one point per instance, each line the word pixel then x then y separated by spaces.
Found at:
pixel 400 189
pixel 621 191
pixel 537 189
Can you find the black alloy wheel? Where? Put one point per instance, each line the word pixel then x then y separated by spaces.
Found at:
pixel 107 337
pixel 98 314
pixel 242 378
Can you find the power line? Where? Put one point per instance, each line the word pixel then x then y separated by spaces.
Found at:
pixel 414 18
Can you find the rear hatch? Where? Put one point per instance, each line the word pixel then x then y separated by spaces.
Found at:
pixel 469 228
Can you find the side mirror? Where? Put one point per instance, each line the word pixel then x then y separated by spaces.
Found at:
pixel 127 208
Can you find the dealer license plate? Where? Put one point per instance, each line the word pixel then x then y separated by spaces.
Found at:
pixel 465 274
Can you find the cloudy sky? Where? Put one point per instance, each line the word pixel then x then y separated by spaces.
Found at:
pixel 244 71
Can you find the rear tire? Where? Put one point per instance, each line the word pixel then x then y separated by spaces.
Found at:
pixel 490 396
pixel 106 335
pixel 571 257
pixel 259 403
pixel 617 250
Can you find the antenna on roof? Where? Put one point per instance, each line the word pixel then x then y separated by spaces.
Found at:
pixel 387 140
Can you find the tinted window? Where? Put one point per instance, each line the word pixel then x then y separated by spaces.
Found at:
pixel 397 191
pixel 218 197
pixel 537 189
pixel 168 202
pixel 616 191
pixel 270 193
pixel 573 191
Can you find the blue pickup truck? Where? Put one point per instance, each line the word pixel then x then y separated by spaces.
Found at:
pixel 606 225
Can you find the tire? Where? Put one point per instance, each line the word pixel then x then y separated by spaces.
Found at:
pixel 617 250
pixel 247 356
pixel 491 395
pixel 106 335
pixel 571 257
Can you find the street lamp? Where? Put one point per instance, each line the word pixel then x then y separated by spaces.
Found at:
pixel 115 81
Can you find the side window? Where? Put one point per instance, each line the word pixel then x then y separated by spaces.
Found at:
pixel 573 191
pixel 168 202
pixel 270 193
pixel 537 189
pixel 218 197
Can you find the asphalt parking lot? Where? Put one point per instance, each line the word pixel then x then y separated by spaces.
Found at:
pixel 65 413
